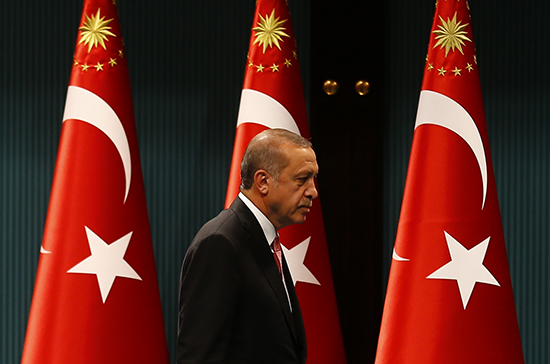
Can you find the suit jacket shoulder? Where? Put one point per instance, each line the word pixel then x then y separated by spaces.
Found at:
pixel 232 300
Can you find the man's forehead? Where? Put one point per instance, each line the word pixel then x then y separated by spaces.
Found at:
pixel 304 164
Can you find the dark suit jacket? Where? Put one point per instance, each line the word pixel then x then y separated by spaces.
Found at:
pixel 233 306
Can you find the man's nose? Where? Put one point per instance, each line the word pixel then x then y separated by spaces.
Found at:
pixel 311 191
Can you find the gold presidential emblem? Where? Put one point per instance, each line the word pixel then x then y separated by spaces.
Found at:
pixel 451 35
pixel 95 31
pixel 270 31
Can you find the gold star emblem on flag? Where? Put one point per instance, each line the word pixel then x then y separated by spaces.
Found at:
pixel 270 31
pixel 451 35
pixel 95 31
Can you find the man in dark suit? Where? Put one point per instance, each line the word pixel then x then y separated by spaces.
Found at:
pixel 235 304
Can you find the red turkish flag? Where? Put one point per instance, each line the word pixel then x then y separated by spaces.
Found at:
pixel 273 97
pixel 449 297
pixel 96 296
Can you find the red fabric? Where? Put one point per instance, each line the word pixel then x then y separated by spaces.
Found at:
pixel 71 321
pixel 429 320
pixel 283 83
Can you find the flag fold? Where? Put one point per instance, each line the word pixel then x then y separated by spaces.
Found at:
pixel 96 296
pixel 449 297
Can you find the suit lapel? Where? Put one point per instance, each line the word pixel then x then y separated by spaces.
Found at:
pixel 260 250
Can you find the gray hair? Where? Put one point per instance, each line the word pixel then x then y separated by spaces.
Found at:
pixel 265 151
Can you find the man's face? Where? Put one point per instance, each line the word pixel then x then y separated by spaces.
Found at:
pixel 290 198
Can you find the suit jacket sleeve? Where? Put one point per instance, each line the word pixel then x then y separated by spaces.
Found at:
pixel 209 290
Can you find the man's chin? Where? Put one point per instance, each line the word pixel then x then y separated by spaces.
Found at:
pixel 301 220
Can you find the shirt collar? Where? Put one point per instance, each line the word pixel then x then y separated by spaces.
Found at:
pixel 267 227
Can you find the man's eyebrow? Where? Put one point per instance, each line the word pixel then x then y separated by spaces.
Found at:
pixel 305 174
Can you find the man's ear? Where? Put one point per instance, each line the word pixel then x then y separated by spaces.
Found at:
pixel 261 181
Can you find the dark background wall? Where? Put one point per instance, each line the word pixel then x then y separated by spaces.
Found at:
pixel 187 62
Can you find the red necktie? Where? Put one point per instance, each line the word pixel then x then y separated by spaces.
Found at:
pixel 276 245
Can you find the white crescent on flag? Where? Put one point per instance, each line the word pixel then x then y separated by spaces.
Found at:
pixel 86 106
pixel 437 109
pixel 257 107
pixel 397 257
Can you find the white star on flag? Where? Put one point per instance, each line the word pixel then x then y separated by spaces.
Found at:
pixel 295 258
pixel 106 262
pixel 466 267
